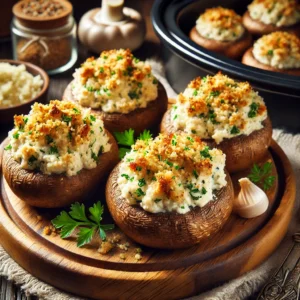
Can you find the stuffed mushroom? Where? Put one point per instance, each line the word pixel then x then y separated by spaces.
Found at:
pixel 225 113
pixel 170 192
pixel 221 30
pixel 57 154
pixel 277 52
pixel 121 89
pixel 266 16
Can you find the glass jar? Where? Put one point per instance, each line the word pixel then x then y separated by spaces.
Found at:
pixel 47 44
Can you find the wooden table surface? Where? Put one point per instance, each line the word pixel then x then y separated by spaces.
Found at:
pixel 151 47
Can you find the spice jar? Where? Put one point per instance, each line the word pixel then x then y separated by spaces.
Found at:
pixel 44 33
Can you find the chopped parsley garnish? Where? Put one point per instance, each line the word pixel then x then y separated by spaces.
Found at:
pixel 8 147
pixel 16 135
pixel 142 182
pixel 195 93
pixel 155 81
pixel 204 79
pixel 49 139
pixel 212 116
pixel 186 148
pixel 203 190
pixel 234 130
pixel 194 192
pixel 190 139
pixel 53 150
pixel 93 118
pixel 154 178
pixel 174 143
pixel 94 156
pixel 127 177
pixel 70 136
pixel 169 163
pixel 119 57
pixel 253 110
pixel 88 225
pixel 138 168
pixel 90 89
pixel 175 117
pixel 101 69
pixel 270 52
pixel 139 192
pixel 222 101
pixel 195 174
pixel 136 60
pixel 215 93
pixel 140 85
pixel 67 119
pixel 194 131
pixel 157 200
pixel 205 153
pixel 133 95
pixel 25 119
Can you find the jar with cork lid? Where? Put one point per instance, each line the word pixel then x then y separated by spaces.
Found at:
pixel 44 33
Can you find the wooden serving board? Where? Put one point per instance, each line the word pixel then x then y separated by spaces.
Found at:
pixel 238 248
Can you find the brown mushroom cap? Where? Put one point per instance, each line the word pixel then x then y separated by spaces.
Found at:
pixel 168 230
pixel 241 151
pixel 139 119
pixel 250 60
pixel 41 190
pixel 258 28
pixel 231 49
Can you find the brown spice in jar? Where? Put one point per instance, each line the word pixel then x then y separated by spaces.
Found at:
pixel 49 54
pixel 43 8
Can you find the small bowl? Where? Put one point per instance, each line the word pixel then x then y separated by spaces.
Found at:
pixel 7 113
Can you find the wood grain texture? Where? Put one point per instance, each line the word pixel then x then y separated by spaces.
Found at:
pixel 239 247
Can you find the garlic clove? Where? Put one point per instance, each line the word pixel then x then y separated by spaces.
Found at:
pixel 251 201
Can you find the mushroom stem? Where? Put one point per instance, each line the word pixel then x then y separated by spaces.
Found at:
pixel 112 10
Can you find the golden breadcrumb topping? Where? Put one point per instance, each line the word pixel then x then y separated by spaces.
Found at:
pixel 58 137
pixel 171 172
pixel 278 49
pixel 218 107
pixel 279 12
pixel 220 23
pixel 115 82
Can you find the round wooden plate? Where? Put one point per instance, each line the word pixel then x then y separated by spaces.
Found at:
pixel 238 248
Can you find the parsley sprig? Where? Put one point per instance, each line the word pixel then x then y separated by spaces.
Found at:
pixel 262 175
pixel 88 226
pixel 126 140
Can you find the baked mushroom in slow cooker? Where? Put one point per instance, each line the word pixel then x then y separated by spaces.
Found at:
pixel 277 52
pixel 266 16
pixel 121 89
pixel 170 192
pixel 226 114
pixel 221 30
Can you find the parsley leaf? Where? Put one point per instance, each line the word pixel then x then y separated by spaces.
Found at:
pixel 253 110
pixel 205 153
pixel 8 147
pixel 88 226
pixel 126 139
pixel 262 175
pixel 145 135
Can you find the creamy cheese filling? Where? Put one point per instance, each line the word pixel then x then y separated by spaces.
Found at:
pixel 17 86
pixel 116 82
pixel 172 173
pixel 278 13
pixel 280 50
pixel 220 24
pixel 59 138
pixel 218 107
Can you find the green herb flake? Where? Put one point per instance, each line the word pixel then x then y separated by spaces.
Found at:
pixel 195 93
pixel 92 118
pixel 253 110
pixel 16 135
pixel 32 159
pixel 195 174
pixel 205 153
pixel 67 119
pixel 139 192
pixel 8 147
pixel 141 182
pixel 270 52
pixel 235 130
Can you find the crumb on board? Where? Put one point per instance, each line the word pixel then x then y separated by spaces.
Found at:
pixel 47 230
pixel 39 218
pixel 138 256
pixel 116 238
pixel 122 256
pixel 105 247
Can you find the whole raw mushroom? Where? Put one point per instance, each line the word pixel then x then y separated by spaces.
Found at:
pixel 112 26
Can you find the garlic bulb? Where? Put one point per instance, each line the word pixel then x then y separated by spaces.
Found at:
pixel 251 201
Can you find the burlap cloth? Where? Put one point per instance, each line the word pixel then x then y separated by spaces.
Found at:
pixel 237 289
